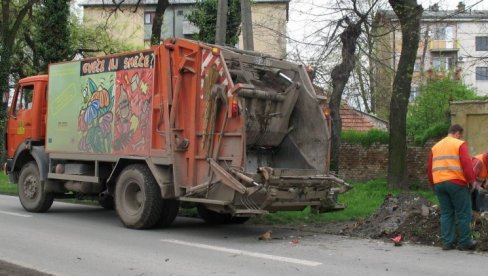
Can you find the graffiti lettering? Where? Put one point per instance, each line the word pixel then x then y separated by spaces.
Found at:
pixel 96 66
pixel 113 64
pixel 138 61
pixel 141 60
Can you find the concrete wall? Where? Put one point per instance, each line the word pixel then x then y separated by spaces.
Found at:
pixel 125 25
pixel 269 24
pixel 473 117
pixel 269 28
pixel 174 18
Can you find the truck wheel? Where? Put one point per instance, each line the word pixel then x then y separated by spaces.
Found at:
pixel 170 210
pixel 31 190
pixel 138 199
pixel 212 217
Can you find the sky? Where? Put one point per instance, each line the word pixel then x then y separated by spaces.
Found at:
pixel 307 18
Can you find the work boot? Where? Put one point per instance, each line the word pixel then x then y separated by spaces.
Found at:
pixel 447 247
pixel 469 247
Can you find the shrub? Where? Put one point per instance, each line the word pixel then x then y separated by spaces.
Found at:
pixel 436 131
pixel 365 138
pixel 428 116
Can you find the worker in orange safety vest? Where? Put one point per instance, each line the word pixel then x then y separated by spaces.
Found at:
pixel 451 173
pixel 480 169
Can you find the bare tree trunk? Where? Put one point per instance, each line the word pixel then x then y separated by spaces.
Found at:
pixel 340 75
pixel 158 21
pixel 363 93
pixel 424 52
pixel 372 68
pixel 409 13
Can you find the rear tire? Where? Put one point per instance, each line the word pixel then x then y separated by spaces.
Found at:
pixel 31 190
pixel 138 199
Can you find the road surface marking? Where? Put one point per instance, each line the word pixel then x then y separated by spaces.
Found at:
pixel 15 214
pixel 245 253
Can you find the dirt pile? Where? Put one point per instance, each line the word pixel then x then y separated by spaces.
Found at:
pixel 413 217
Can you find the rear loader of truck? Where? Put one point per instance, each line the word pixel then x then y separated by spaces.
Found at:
pixel 234 133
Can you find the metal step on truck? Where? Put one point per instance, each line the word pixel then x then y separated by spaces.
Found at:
pixel 234 133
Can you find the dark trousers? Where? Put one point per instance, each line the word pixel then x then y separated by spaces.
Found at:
pixel 455 201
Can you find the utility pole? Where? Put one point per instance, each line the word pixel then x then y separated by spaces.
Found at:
pixel 246 19
pixel 221 28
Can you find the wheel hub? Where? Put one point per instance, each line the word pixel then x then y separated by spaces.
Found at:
pixel 134 198
pixel 31 187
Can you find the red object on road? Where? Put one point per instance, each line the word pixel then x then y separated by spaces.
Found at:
pixel 397 240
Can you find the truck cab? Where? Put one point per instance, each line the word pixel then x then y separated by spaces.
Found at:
pixel 26 125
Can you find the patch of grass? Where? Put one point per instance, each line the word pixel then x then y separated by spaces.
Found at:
pixel 365 138
pixel 362 201
pixel 6 187
pixel 429 195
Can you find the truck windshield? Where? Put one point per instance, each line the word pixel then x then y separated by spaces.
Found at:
pixel 24 98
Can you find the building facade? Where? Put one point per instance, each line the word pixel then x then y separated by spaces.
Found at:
pixel 453 43
pixel 132 23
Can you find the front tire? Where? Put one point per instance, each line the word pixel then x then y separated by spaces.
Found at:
pixel 138 199
pixel 31 190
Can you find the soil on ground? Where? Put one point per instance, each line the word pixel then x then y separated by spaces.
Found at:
pixel 413 218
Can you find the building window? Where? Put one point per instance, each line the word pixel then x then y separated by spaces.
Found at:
pixel 148 18
pixel 442 63
pixel 481 73
pixel 482 43
pixel 442 33
pixel 179 13
pixel 439 34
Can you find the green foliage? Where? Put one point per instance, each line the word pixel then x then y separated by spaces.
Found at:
pixel 6 187
pixel 429 113
pixel 204 16
pixel 52 37
pixel 96 39
pixel 365 138
pixel 436 131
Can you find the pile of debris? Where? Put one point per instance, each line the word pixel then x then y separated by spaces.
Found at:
pixel 414 218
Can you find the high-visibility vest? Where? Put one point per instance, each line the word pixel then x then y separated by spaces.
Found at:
pixel 484 172
pixel 446 162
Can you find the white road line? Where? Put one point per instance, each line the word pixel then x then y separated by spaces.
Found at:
pixel 15 214
pixel 245 253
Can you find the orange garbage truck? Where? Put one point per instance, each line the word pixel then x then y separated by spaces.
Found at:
pixel 233 133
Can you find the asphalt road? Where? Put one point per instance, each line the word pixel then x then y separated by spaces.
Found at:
pixel 85 240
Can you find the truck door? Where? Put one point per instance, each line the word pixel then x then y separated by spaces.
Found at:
pixel 19 126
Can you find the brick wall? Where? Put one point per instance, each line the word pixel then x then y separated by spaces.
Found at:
pixel 361 163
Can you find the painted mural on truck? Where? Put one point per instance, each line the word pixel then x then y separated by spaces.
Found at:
pixel 132 111
pixel 101 105
pixel 95 119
